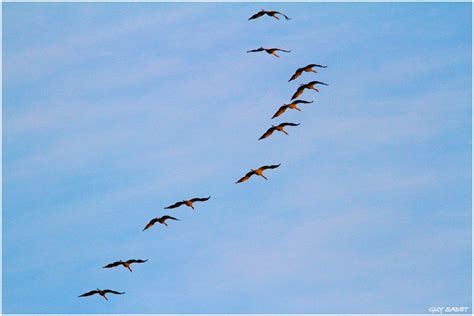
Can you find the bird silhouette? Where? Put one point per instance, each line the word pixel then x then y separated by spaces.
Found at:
pixel 280 128
pixel 258 172
pixel 273 14
pixel 161 220
pixel 293 105
pixel 271 51
pixel 308 68
pixel 101 293
pixel 126 264
pixel 188 203
pixel 309 85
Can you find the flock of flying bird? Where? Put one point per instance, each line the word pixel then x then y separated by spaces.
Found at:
pixel 258 172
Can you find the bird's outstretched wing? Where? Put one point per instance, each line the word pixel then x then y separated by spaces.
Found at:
pixel 246 177
pixel 280 111
pixel 288 124
pixel 301 101
pixel 257 15
pixel 175 205
pixel 136 261
pixel 318 82
pixel 267 133
pixel 164 218
pixel 255 50
pixel 151 223
pixel 269 167
pixel 297 73
pixel 282 50
pixel 298 92
pixel 316 65
pixel 113 292
pixel 286 17
pixel 89 293
pixel 114 264
pixel 200 199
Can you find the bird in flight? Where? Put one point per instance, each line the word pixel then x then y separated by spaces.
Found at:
pixel 271 51
pixel 280 128
pixel 161 220
pixel 309 85
pixel 273 14
pixel 258 172
pixel 308 68
pixel 293 105
pixel 188 203
pixel 101 293
pixel 126 264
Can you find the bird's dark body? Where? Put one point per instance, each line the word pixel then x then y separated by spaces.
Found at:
pixel 258 172
pixel 272 14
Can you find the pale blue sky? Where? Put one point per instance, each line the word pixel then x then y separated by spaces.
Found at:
pixel 113 111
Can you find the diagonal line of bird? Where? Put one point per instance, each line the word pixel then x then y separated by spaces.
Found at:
pixel 293 105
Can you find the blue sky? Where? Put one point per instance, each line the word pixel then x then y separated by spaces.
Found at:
pixel 113 111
